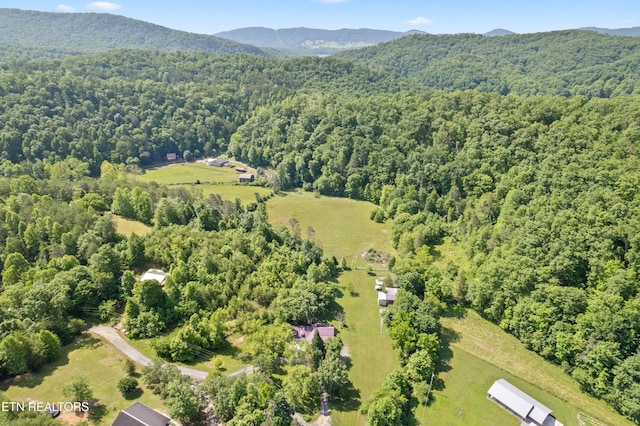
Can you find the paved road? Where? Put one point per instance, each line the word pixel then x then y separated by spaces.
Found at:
pixel 112 336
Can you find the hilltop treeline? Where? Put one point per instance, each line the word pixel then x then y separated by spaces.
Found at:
pixel 90 32
pixel 566 63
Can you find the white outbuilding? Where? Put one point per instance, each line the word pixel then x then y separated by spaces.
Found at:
pixel 521 405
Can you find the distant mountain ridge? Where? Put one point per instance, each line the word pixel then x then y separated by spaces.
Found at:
pixel 103 31
pixel 498 32
pixel 628 32
pixel 311 40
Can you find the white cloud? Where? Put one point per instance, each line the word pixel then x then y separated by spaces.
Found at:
pixel 419 21
pixel 65 8
pixel 103 5
pixel 332 1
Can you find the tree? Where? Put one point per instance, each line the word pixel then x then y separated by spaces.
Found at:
pixel 184 405
pixel 13 356
pixel 127 385
pixel 384 408
pixel 279 411
pixel 301 387
pixel 78 389
pixel 129 367
pixel 332 375
pixel 51 345
pixel 316 351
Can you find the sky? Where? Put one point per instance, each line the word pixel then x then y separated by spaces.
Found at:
pixel 436 17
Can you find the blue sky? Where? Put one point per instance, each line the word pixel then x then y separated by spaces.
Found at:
pixel 444 16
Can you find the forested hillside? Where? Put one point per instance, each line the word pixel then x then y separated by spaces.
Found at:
pixel 127 106
pixel 541 193
pixel 565 63
pixel 102 31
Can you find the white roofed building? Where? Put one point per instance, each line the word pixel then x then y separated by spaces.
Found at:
pixel 388 296
pixel 521 405
pixel 154 274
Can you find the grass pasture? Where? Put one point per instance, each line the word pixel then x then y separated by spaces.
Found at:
pixel 199 176
pixel 482 353
pixel 342 226
pixel 371 356
pixel 100 363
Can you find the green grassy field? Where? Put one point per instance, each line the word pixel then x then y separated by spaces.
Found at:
pixel 482 353
pixel 100 363
pixel 212 180
pixel 342 226
pixel 369 346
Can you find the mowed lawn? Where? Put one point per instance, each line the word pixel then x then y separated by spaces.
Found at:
pixel 208 179
pixel 369 346
pixel 482 353
pixel 342 226
pixel 99 362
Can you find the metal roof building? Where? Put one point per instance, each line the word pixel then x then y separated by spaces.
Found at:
pixel 522 405
pixel 154 274
pixel 140 415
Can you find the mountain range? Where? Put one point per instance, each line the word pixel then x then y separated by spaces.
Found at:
pixel 310 40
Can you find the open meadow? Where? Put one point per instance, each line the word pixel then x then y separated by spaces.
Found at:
pixel 209 180
pixel 341 226
pixel 480 353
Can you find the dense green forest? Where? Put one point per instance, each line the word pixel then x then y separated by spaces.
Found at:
pixel 538 191
pixel 127 106
pixel 566 63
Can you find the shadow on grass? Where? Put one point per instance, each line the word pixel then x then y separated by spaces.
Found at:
pixel 445 354
pixel 33 379
pixel 348 401
pixel 455 311
pixel 134 394
pixel 97 412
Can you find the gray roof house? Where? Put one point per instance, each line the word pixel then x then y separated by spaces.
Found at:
pixel 520 404
pixel 140 415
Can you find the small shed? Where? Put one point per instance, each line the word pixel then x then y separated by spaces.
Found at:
pixel 379 284
pixel 246 177
pixel 387 297
pixel 140 415
pixel 520 404
pixel 154 274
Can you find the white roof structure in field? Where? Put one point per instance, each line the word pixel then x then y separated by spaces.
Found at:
pixel 154 274
pixel 520 403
